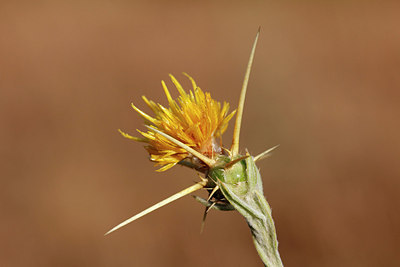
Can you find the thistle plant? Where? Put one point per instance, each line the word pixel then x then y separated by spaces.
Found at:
pixel 189 133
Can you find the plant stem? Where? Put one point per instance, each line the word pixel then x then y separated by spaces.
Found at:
pixel 264 235
pixel 248 199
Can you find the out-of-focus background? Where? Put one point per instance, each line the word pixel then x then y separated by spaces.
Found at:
pixel 325 86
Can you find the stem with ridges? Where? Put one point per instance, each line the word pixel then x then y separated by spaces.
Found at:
pixel 248 199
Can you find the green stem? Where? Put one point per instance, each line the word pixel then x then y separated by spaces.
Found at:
pixel 248 199
pixel 264 235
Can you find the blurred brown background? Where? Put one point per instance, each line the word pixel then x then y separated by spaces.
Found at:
pixel 325 86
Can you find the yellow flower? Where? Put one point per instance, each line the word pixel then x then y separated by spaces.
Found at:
pixel 194 119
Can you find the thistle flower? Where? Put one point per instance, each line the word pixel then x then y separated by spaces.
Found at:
pixel 186 133
pixel 194 119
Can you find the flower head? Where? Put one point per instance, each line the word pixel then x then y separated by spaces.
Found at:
pixel 194 119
